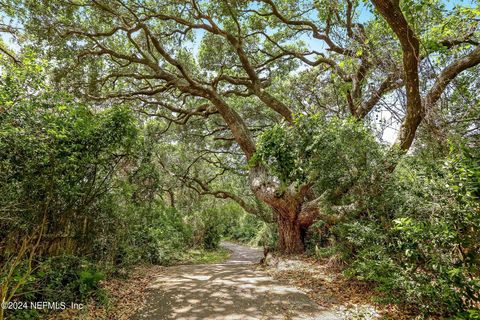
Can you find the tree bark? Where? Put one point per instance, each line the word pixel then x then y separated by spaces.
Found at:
pixel 289 236
pixel 391 12
pixel 286 204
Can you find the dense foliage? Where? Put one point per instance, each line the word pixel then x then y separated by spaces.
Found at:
pixel 315 149
pixel 58 158
pixel 83 184
pixel 136 132
pixel 414 234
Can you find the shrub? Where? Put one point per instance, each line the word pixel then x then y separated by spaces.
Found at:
pixel 154 234
pixel 415 239
pixel 212 227
pixel 67 278
pixel 60 279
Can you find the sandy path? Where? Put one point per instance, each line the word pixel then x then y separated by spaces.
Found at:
pixel 231 290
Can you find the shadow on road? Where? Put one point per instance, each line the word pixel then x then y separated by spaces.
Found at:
pixel 231 290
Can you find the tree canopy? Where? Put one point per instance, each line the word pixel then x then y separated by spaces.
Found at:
pixel 310 115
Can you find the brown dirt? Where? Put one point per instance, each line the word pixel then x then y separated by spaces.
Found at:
pixel 286 288
pixel 324 283
pixel 235 289
pixel 126 296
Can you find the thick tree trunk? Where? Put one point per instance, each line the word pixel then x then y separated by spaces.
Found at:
pixel 287 206
pixel 290 236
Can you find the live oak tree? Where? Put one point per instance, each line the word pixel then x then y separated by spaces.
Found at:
pixel 225 69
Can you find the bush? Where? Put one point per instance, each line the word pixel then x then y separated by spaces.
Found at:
pixel 57 160
pixel 146 234
pixel 67 279
pixel 415 240
pixel 212 227
pixel 244 227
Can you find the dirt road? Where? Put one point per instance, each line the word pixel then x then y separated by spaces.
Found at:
pixel 227 291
